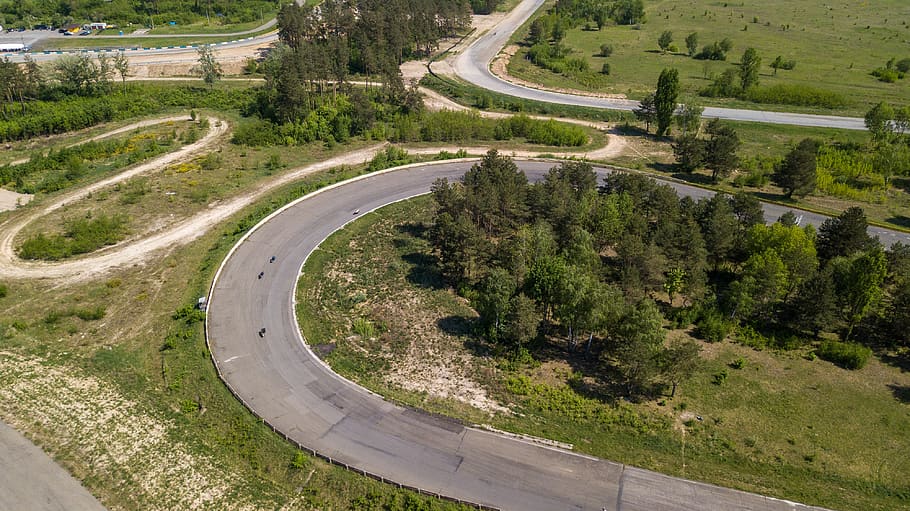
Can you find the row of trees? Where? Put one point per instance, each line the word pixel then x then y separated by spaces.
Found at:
pixel 595 266
pixel 322 45
pixel 28 13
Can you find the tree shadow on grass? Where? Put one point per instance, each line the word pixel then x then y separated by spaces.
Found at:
pixel 464 327
pixel 424 272
pixel 901 392
pixel 899 220
pixel 899 361
pixel 424 267
pixel 666 168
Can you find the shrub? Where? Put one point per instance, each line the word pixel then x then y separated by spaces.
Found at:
pixel 81 236
pixel 3 291
pixel 256 133
pixel 90 314
pixel 845 354
pixel 712 326
pixel 903 65
pixel 364 328
pixel 606 50
pixel 605 69
pixel 739 363
pixel 798 95
pixel 720 378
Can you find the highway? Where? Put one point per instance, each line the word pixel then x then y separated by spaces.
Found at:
pixel 280 379
pixel 473 65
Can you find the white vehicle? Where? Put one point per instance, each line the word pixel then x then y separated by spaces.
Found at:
pixel 13 47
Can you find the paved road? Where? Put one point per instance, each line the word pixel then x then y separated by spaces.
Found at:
pixel 283 382
pixel 31 481
pixel 473 65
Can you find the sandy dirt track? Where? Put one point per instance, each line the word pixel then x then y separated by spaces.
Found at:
pixel 135 251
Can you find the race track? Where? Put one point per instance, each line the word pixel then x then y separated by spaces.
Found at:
pixel 283 382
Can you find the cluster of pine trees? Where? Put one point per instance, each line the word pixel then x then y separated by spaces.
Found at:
pixel 602 266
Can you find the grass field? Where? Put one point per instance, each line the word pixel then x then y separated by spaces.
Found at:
pixel 782 425
pixel 835 47
pixel 123 393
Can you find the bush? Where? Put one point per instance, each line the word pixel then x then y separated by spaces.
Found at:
pixel 845 354
pixel 3 290
pixel 81 236
pixel 606 50
pixel 720 378
pixel 739 363
pixel 903 65
pixel 798 95
pixel 712 326
pixel 605 70
pixel 887 75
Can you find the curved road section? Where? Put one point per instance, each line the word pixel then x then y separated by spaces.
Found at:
pixel 279 378
pixel 473 65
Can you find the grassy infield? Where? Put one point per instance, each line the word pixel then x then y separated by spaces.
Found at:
pixel 835 47
pixel 783 425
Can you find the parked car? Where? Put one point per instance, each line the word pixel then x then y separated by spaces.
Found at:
pixel 85 32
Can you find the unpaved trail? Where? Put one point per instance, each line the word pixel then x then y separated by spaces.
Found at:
pixel 124 129
pixel 135 251
pixel 12 266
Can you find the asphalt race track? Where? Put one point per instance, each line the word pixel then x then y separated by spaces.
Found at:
pixel 473 65
pixel 283 382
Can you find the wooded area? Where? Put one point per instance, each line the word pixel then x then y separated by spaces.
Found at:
pixel 606 267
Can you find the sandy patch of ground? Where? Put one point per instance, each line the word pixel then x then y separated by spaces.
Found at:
pixel 102 436
pixel 10 200
pixel 434 361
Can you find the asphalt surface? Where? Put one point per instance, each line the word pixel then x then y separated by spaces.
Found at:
pixel 282 381
pixel 473 65
pixel 32 481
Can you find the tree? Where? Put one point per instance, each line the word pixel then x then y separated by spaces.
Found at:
pixel 778 64
pixel 521 322
pixel 80 74
pixel 690 152
pixel 844 235
pixel 628 12
pixel 718 226
pixel 720 149
pixel 646 111
pixel 640 337
pixel 878 122
pixel 675 283
pixel 858 282
pixel 814 307
pixel 494 193
pixel 688 118
pixel 493 299
pixel 665 99
pixel 749 66
pixel 122 66
pixel 796 174
pixel 209 67
pixel 606 50
pixel 747 209
pixel 679 361
pixel 544 282
pixel 692 43
pixel 665 40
